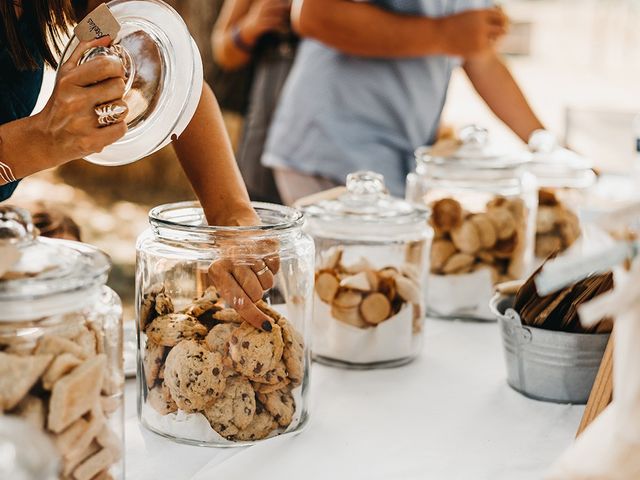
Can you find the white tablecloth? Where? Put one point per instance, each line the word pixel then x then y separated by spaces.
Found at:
pixel 449 415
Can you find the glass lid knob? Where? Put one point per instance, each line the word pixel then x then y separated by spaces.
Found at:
pixel 474 135
pixel 365 184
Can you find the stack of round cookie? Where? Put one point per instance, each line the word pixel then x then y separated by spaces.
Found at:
pixel 465 242
pixel 206 359
pixel 557 227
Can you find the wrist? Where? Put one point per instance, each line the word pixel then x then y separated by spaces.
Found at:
pixel 436 37
pixel 245 36
pixel 43 143
pixel 242 215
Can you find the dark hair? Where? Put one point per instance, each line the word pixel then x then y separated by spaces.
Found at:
pixel 47 22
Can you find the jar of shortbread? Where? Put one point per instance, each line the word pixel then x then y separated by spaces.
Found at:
pixel 371 260
pixel 61 367
pixel 223 326
pixel 483 204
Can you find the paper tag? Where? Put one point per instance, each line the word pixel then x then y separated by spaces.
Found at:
pixel 99 23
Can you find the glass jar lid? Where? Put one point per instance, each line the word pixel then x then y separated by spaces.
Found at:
pixel 366 208
pixel 43 277
pixel 472 150
pixel 558 167
pixel 164 77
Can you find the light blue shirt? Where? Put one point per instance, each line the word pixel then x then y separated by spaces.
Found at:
pixel 340 113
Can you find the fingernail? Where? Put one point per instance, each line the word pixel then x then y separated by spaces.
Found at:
pixel 266 326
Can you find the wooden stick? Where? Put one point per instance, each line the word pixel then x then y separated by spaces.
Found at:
pixel 602 391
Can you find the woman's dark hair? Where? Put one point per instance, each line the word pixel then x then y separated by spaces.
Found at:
pixel 48 23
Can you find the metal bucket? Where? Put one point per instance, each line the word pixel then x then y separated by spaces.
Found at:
pixel 544 364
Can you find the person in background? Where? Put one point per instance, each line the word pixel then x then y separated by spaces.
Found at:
pixel 31 33
pixel 370 81
pixel 257 33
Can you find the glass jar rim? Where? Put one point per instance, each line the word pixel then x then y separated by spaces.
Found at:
pixel 161 217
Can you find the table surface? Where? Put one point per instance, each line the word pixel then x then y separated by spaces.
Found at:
pixel 449 415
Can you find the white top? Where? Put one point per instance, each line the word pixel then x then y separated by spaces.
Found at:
pixel 447 416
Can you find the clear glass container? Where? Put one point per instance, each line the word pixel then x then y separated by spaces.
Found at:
pixel 564 180
pixel 164 77
pixel 207 377
pixel 371 262
pixel 483 213
pixel 61 346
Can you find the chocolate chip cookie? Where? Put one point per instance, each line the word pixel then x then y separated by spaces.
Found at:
pixel 254 352
pixel 235 408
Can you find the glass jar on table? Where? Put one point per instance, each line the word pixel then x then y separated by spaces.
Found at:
pixel 61 347
pixel 206 376
pixel 371 261
pixel 483 205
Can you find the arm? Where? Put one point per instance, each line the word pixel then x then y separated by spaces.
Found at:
pixel 493 81
pixel 249 20
pixel 363 29
pixel 207 158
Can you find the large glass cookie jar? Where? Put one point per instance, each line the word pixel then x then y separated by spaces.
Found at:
pixel 483 212
pixel 61 347
pixel 206 375
pixel 164 77
pixel 371 257
pixel 564 181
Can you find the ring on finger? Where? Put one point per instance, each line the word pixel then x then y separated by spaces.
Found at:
pixel 109 113
pixel 262 271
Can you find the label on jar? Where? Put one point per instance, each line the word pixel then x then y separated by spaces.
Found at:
pixel 99 23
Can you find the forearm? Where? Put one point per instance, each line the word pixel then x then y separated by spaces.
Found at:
pixel 25 148
pixel 207 158
pixel 365 30
pixel 493 81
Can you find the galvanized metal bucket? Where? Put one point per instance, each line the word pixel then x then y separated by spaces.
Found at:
pixel 545 364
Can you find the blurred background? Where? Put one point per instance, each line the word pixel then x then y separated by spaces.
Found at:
pixel 578 62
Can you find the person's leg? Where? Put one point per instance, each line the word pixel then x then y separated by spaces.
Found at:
pixel 294 185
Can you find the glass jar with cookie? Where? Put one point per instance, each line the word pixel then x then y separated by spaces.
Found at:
pixel 484 206
pixel 61 366
pixel 371 261
pixel 221 365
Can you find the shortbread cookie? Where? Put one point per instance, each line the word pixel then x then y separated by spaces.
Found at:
pixel 235 408
pixel 466 237
pixel 76 393
pixel 195 376
pixel 33 410
pixel 260 427
pixel 254 352
pixel 60 366
pixel 55 345
pixel 17 375
pixel 217 340
pixel 280 404
pixel 503 221
pixel 170 329
pixel 160 400
pixel 152 361
pixel 375 308
pixel 327 286
pixel 350 316
pixel 486 231
pixel 79 456
pixel 86 340
pixel 441 251
pixel 91 467
pixel 458 263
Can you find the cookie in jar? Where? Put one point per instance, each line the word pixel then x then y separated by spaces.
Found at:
pixel 210 375
pixel 61 366
pixel 484 205
pixel 371 259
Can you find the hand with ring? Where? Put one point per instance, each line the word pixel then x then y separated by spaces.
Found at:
pixel 242 275
pixel 85 112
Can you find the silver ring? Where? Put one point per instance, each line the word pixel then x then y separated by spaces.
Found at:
pixel 109 113
pixel 262 271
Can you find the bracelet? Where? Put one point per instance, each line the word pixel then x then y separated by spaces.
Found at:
pixel 239 42
pixel 6 174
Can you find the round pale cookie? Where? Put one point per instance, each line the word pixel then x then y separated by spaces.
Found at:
pixel 327 286
pixel 486 231
pixel 217 339
pixel 350 316
pixel 447 214
pixel 260 427
pixel 235 408
pixel 546 245
pixel 546 219
pixel 375 308
pixel 254 352
pixel 195 376
pixel 458 263
pixel 280 404
pixel 503 221
pixel 441 251
pixel 347 299
pixel 466 237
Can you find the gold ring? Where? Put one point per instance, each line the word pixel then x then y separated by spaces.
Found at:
pixel 262 271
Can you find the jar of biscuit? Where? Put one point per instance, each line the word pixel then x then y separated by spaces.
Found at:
pixel 564 179
pixel 483 213
pixel 371 259
pixel 224 316
pixel 61 347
